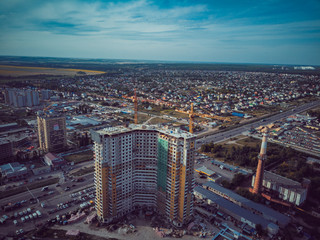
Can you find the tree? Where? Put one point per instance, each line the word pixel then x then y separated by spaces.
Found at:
pixel 259 229
pixel 238 179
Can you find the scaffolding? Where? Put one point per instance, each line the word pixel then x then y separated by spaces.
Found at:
pixel 162 164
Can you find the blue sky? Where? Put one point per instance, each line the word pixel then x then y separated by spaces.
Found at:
pixel 269 31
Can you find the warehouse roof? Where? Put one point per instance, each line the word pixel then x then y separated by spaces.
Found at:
pixel 232 207
pixel 266 211
pixel 205 170
pixel 272 177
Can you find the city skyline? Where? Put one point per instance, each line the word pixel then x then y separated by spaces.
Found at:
pixel 272 32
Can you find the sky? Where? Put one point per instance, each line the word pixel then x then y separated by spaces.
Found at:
pixel 231 31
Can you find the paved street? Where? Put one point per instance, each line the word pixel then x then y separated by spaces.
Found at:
pixel 221 136
pixel 59 195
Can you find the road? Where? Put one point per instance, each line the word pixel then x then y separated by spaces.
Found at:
pixel 221 136
pixel 51 201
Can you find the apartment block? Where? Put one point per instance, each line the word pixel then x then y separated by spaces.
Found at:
pixel 144 166
pixel 52 132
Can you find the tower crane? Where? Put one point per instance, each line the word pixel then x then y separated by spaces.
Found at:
pixel 135 107
pixel 191 119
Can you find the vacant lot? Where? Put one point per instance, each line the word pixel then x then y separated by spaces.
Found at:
pixel 16 71
pixel 79 157
pixel 83 171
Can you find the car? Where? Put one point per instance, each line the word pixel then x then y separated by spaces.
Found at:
pixel 26 218
pixel 15 222
pixel 17 232
pixel 25 211
pixel 58 185
pixel 29 210
pixel 30 216
pixel 23 201
pixel 23 219
pixel 21 231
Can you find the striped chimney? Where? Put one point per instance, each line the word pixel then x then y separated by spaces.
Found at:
pixel 260 168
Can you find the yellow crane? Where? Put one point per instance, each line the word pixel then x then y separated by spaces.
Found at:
pixel 135 107
pixel 191 118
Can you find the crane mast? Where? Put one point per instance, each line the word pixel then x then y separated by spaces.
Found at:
pixel 191 118
pixel 135 107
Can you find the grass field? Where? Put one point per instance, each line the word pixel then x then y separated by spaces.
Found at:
pixel 79 157
pixel 16 71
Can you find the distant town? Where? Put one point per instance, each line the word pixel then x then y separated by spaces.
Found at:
pixel 158 150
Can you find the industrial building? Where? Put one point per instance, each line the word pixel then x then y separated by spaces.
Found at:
pixel 13 171
pixel 278 187
pixel 52 132
pixel 235 211
pixel 54 161
pixel 256 208
pixel 6 151
pixel 274 187
pixel 144 166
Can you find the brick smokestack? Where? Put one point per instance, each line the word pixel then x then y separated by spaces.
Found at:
pixel 260 168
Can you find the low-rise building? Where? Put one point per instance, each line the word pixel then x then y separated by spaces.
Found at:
pixel 256 208
pixel 14 171
pixel 54 161
pixel 235 211
pixel 279 187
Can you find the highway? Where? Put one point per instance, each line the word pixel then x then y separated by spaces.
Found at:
pixel 221 136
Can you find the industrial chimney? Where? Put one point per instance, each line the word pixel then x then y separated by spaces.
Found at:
pixel 260 168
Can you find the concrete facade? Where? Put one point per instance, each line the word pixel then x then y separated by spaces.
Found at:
pixel 142 166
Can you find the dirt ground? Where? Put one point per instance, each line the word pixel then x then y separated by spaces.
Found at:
pixel 144 231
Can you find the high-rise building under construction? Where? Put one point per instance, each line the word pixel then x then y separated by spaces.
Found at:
pixel 143 166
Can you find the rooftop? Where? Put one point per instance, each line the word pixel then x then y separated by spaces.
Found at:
pixel 8 125
pixel 121 129
pixel 282 181
pixel 259 207
pixel 51 156
pixel 205 170
pixel 229 233
pixel 232 207
pixel 12 167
